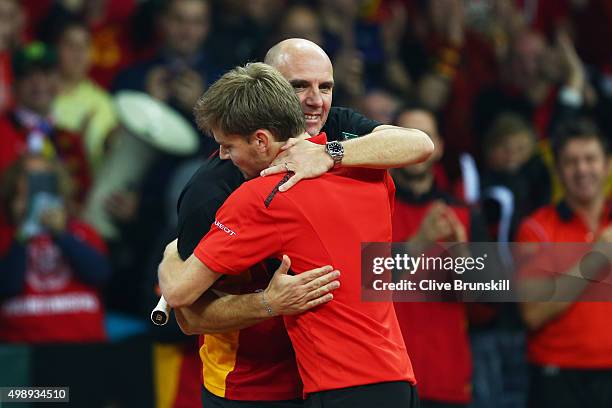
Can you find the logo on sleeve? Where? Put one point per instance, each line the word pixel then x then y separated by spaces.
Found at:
pixel 223 228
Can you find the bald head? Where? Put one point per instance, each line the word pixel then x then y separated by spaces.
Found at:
pixel 285 51
pixel 309 70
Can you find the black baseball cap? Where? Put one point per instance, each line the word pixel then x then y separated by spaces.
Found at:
pixel 32 57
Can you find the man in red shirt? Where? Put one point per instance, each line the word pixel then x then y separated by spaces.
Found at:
pixel 251 111
pixel 435 332
pixel 570 341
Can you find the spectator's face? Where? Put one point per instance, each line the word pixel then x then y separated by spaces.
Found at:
pixel 36 91
pixel 301 22
pixel 528 54
pixel 512 153
pixel 11 20
pixel 311 75
pixel 263 12
pixel 249 155
pixel 380 106
pixel 186 26
pixel 424 121
pixel 349 9
pixel 583 169
pixel 74 53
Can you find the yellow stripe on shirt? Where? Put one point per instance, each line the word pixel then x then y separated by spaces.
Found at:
pixel 218 354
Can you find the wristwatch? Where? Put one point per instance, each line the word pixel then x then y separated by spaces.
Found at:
pixel 336 152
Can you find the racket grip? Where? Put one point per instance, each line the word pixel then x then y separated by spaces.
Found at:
pixel 161 313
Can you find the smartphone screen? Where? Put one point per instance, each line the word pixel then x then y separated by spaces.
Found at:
pixel 42 182
pixel 42 194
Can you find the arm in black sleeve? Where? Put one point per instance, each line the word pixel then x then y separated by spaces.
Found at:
pixel 345 123
pixel 478 227
pixel 361 125
pixel 541 185
pixel 199 202
pixel 12 270
pixel 91 266
pixel 193 226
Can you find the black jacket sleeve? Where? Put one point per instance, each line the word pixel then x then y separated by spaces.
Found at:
pixel 91 266
pixel 344 123
pixel 12 270
pixel 194 224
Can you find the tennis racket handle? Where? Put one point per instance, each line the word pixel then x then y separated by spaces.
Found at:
pixel 161 313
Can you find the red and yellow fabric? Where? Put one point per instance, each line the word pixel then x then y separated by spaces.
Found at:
pixel 177 375
pixel 246 364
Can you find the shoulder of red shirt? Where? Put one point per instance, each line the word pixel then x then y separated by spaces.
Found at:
pixel 537 225
pixel 321 138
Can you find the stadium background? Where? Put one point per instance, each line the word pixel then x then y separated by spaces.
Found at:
pixel 468 61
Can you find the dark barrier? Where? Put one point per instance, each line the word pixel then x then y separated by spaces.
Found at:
pixel 99 375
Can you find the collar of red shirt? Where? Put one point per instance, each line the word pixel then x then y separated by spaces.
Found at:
pixel 321 138
pixel 566 214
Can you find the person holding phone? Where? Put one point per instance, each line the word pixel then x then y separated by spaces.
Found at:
pixel 54 266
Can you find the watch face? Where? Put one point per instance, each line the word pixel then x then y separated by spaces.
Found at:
pixel 336 151
pixel 335 148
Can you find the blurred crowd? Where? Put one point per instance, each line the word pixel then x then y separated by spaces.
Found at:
pixel 491 81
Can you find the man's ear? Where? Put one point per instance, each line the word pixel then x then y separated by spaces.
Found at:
pixel 262 139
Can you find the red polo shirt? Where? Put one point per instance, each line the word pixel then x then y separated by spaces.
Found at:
pixel 580 337
pixel 345 342
pixel 435 332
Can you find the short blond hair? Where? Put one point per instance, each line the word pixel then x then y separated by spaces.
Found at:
pixel 245 99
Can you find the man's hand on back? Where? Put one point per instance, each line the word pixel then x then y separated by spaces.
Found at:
pixel 290 295
pixel 305 159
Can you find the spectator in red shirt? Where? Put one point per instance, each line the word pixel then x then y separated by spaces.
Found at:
pixel 55 265
pixel 435 333
pixel 30 128
pixel 570 341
